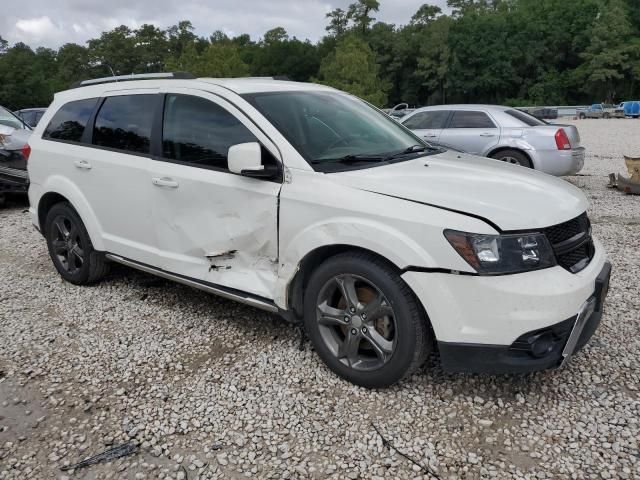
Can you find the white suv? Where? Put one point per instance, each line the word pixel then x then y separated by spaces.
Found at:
pixel 304 200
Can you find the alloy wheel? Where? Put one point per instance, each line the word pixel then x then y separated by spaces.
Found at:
pixel 356 322
pixel 67 244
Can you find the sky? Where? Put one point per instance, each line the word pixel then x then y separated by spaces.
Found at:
pixel 52 23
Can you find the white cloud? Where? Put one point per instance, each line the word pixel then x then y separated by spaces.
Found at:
pixel 53 23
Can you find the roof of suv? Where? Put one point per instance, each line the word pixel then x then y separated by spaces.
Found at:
pixel 236 85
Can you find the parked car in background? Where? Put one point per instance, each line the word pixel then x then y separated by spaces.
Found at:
pixel 31 116
pixel 14 152
pixel 306 201
pixel 597 110
pixel 545 113
pixel 628 109
pixel 400 110
pixel 502 133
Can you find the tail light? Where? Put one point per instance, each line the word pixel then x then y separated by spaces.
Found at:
pixel 26 151
pixel 562 141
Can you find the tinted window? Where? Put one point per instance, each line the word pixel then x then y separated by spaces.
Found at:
pixel 426 120
pixel 463 119
pixel 124 123
pixel 200 132
pixel 29 117
pixel 525 118
pixel 70 121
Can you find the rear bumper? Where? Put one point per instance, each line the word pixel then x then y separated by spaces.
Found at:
pixel 13 180
pixel 541 349
pixel 560 162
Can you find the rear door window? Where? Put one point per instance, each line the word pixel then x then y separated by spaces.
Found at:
pixel 124 123
pixel 427 120
pixel 199 132
pixel 469 119
pixel 70 120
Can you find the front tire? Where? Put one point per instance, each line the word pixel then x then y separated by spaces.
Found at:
pixel 70 247
pixel 364 321
pixel 514 157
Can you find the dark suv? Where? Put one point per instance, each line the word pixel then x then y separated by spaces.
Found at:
pixel 14 152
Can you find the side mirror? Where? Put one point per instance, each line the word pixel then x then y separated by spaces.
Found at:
pixel 246 159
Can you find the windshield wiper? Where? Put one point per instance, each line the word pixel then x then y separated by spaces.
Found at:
pixel 351 159
pixel 407 151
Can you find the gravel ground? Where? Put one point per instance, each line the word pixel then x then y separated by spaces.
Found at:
pixel 213 389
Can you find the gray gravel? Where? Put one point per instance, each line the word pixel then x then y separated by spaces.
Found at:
pixel 213 389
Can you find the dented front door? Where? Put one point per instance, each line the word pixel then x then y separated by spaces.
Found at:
pixel 213 225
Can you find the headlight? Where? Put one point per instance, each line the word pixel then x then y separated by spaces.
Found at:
pixel 500 254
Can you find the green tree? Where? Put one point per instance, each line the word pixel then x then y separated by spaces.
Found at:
pixel 115 51
pixel 24 78
pixel 425 14
pixel 338 22
pixel 360 14
pixel 4 45
pixel 434 58
pixel 607 58
pixel 352 67
pixel 217 60
pixel 73 64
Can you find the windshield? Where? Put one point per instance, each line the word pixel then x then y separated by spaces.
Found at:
pixel 326 127
pixel 8 119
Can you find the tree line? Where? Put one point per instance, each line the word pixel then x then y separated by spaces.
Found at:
pixel 517 52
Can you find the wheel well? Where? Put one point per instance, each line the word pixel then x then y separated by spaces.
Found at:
pixel 47 201
pixel 502 149
pixel 309 263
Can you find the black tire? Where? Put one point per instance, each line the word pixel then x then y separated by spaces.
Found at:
pixel 399 308
pixel 3 200
pixel 607 115
pixel 582 116
pixel 70 247
pixel 513 156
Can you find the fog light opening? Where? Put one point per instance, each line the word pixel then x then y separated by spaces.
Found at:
pixel 542 345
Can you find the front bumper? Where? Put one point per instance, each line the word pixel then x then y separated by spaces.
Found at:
pixel 540 349
pixel 486 315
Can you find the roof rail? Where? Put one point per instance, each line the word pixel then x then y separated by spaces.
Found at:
pixel 133 76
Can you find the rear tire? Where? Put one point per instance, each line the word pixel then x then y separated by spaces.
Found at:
pixel 582 116
pixel 514 157
pixel 364 321
pixel 70 247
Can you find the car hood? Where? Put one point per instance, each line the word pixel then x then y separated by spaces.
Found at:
pixel 508 196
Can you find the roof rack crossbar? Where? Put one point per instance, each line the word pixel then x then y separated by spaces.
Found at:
pixel 134 76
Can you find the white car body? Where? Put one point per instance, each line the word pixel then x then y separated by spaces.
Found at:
pixel 246 238
pixel 503 134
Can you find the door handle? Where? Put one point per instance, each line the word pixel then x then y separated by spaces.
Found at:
pixel 83 164
pixel 487 134
pixel 164 182
pixel 429 135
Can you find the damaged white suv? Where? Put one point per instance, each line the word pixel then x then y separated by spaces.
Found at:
pixel 304 200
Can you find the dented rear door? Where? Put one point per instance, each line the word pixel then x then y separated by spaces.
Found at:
pixel 213 225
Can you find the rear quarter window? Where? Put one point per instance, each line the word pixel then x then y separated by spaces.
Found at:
pixel 70 120
pixel 525 118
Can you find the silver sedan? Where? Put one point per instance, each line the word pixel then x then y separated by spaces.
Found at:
pixel 503 133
